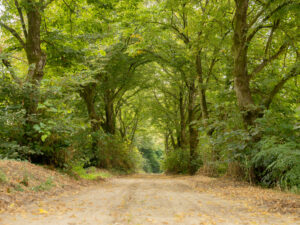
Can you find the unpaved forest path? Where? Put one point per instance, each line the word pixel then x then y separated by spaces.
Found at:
pixel 143 199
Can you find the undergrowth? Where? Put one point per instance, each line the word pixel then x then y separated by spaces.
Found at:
pixel 2 177
pixel 45 186
pixel 90 173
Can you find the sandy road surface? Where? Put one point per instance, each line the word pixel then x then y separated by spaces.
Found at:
pixel 141 200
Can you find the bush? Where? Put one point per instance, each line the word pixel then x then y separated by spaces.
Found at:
pixel 90 173
pixel 113 153
pixel 277 164
pixel 56 151
pixel 12 150
pixel 177 161
pixel 213 169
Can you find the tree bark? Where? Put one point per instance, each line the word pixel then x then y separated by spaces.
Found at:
pixel 37 60
pixel 182 141
pixel 88 94
pixel 110 122
pixel 167 135
pixel 241 77
pixel 35 56
pixel 203 102
pixel 193 132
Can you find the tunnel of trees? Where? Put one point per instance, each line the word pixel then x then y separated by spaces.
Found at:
pixel 179 86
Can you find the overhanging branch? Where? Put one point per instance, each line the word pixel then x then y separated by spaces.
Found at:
pixel 293 73
pixel 21 18
pixel 265 62
pixel 14 33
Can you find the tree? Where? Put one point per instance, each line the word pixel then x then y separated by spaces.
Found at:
pixel 187 50
pixel 267 16
pixel 30 41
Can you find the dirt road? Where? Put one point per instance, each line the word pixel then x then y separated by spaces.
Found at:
pixel 143 200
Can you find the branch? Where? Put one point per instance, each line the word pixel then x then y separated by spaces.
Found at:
pixel 276 24
pixel 135 125
pixel 21 18
pixel 258 28
pixel 168 93
pixel 14 33
pixel 267 61
pixel 276 10
pixel 182 35
pixel 11 71
pixel 123 101
pixel 259 14
pixel 44 6
pixel 293 73
pixel 264 20
pixel 213 63
pixel 71 10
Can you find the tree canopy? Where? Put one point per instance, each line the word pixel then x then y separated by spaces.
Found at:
pixel 180 86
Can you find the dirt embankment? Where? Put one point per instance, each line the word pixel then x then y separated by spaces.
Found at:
pixel 23 182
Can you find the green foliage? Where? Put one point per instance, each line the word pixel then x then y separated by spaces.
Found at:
pixel 275 158
pixel 18 187
pixel 44 186
pixel 25 180
pixel 2 177
pixel 177 161
pixel 152 160
pixel 90 173
pixel 12 150
pixel 277 164
pixel 114 153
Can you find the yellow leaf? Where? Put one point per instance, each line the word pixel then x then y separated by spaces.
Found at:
pixel 42 211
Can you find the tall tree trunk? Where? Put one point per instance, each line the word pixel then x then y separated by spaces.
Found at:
pixel 110 122
pixel 203 102
pixel 183 141
pixel 37 61
pixel 88 94
pixel 167 135
pixel 241 77
pixel 193 132
pixel 174 145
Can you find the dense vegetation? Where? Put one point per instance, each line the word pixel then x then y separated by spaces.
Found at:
pixel 110 83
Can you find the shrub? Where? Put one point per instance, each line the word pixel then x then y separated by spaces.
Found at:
pixel 278 163
pixel 236 170
pixel 90 173
pixel 56 151
pixel 12 150
pixel 177 161
pixel 44 186
pixel 2 177
pixel 113 153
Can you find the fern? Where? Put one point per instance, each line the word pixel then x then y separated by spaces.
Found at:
pixel 279 163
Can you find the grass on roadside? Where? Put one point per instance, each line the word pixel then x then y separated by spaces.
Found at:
pixel 44 186
pixel 90 173
pixel 2 177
